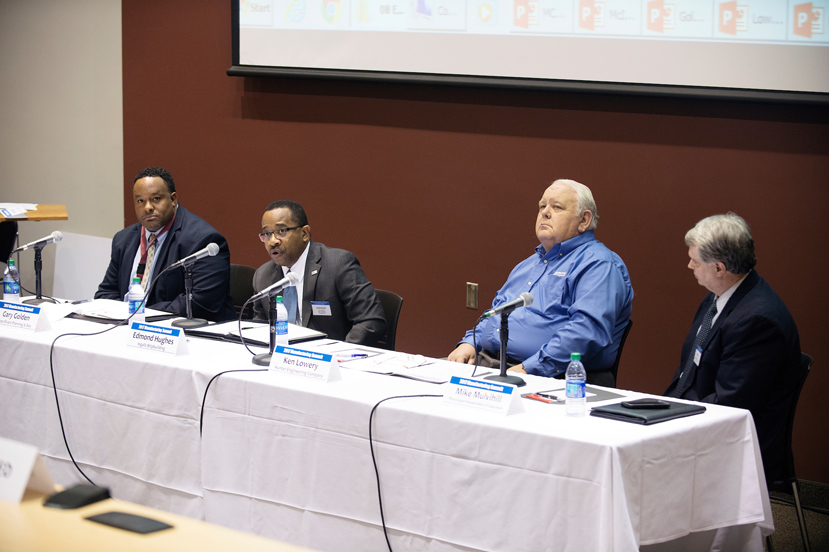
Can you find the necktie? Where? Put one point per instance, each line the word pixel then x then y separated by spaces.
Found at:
pixel 687 375
pixel 289 298
pixel 145 278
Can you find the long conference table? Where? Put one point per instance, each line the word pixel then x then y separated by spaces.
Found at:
pixel 289 458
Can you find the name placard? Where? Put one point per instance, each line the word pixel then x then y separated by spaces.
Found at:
pixel 21 467
pixel 485 395
pixel 23 316
pixel 162 339
pixel 306 364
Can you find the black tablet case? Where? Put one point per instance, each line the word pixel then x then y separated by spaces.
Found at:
pixel 647 416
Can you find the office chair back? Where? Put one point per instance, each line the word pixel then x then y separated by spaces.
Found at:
pixel 615 368
pixel 8 236
pixel 241 287
pixel 789 485
pixel 392 304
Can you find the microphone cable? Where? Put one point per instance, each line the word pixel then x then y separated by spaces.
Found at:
pixel 204 399
pixel 475 344
pixel 114 325
pixel 242 337
pixel 20 285
pixel 374 460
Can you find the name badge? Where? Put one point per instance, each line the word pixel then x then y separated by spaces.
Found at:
pixel 321 308
pixel 162 339
pixel 305 364
pixel 22 316
pixel 697 355
pixel 500 398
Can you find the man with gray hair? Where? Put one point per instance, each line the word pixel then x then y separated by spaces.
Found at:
pixel 581 290
pixel 743 349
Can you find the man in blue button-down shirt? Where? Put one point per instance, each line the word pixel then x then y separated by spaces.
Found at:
pixel 581 289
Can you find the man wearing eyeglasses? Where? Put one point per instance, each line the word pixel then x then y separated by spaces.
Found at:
pixel 333 294
pixel 582 296
pixel 165 233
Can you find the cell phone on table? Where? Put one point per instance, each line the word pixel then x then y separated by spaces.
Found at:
pixel 646 403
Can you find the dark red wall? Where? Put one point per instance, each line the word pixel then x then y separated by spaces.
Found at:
pixel 432 187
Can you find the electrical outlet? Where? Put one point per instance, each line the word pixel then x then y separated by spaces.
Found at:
pixel 471 295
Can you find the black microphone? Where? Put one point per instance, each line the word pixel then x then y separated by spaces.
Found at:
pixel 290 280
pixel 54 237
pixel 209 251
pixel 524 300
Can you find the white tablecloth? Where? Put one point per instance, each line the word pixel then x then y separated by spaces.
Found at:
pixel 131 417
pixel 289 458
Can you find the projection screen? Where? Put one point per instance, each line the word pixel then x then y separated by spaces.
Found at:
pixel 762 49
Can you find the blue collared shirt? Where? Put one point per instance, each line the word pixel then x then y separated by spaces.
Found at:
pixel 582 299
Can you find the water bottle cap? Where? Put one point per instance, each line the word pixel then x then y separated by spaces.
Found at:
pixel 575 356
pixel 136 280
pixel 11 262
pixel 278 298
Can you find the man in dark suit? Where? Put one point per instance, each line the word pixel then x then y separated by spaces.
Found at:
pixel 337 298
pixel 165 233
pixel 743 349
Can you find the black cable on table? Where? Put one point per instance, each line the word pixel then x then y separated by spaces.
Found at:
pixel 374 460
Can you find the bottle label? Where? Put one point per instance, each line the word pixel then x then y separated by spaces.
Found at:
pixel 281 327
pixel 134 306
pixel 12 288
pixel 575 389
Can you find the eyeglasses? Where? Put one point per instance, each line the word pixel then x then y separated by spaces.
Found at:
pixel 280 233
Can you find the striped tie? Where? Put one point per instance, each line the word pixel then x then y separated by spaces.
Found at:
pixel 145 278
pixel 687 375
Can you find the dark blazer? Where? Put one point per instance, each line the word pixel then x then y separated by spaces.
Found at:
pixel 335 276
pixel 211 275
pixel 750 360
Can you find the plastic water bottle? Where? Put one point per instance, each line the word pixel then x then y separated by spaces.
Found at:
pixel 281 322
pixel 135 297
pixel 11 283
pixel 575 403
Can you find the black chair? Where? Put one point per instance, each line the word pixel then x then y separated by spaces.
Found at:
pixel 241 287
pixel 615 368
pixel 789 484
pixel 392 304
pixel 8 236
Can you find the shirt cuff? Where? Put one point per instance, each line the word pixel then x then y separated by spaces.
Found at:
pixel 534 366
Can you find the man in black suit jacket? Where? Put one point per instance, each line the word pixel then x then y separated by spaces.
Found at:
pixel 181 234
pixel 337 298
pixel 751 354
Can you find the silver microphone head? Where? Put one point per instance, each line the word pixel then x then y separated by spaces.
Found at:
pixel 57 236
pixel 212 249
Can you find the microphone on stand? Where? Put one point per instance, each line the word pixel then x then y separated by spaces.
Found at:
pixel 210 251
pixel 291 279
pixel 38 246
pixel 54 237
pixel 187 262
pixel 524 300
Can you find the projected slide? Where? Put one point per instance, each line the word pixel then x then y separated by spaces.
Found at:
pixel 753 44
